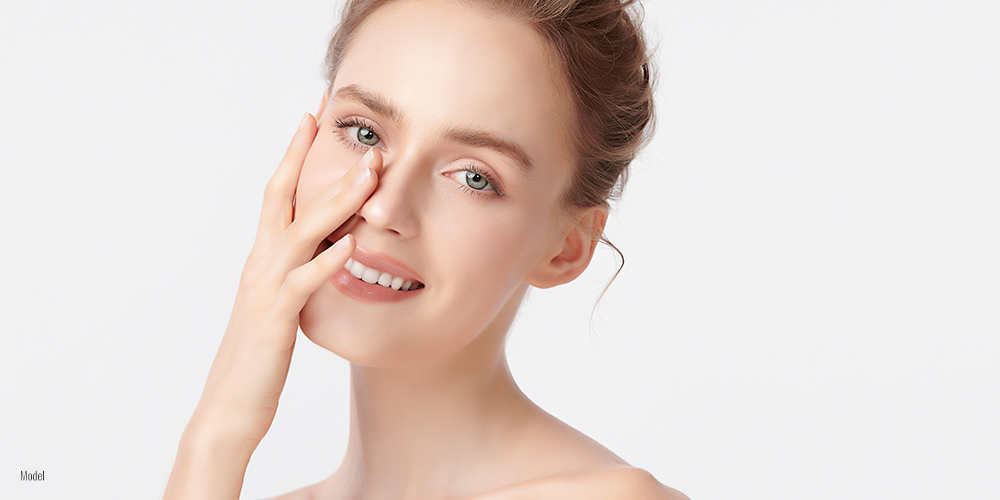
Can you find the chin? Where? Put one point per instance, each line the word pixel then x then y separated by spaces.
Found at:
pixel 393 335
pixel 334 326
pixel 340 333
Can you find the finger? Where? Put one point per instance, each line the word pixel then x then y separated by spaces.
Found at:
pixel 323 217
pixel 302 281
pixel 371 159
pixel 276 211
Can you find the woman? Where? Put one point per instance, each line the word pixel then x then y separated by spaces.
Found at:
pixel 463 151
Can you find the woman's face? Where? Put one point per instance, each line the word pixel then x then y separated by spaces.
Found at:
pixel 470 114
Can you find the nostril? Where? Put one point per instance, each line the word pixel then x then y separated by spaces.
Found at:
pixel 389 208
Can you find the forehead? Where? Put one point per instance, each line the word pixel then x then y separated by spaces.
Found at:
pixel 446 64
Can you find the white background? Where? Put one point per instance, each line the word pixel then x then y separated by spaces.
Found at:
pixel 810 307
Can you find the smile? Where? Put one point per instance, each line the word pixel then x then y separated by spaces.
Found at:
pixel 376 277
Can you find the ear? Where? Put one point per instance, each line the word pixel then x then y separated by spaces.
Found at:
pixel 570 255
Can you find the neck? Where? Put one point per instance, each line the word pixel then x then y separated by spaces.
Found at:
pixel 424 429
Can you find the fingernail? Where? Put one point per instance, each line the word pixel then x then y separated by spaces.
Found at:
pixel 366 160
pixel 362 177
pixel 305 119
pixel 341 244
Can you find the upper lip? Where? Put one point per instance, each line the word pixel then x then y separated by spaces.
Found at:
pixel 382 262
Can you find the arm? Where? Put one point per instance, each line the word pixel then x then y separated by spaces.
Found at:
pixel 206 467
pixel 249 371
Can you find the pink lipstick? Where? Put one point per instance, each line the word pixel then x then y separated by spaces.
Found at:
pixel 374 277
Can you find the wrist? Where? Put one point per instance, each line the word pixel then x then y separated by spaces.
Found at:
pixel 217 441
pixel 209 465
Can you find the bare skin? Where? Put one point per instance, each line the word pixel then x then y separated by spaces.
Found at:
pixel 435 412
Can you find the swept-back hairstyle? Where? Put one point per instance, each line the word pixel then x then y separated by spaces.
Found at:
pixel 607 64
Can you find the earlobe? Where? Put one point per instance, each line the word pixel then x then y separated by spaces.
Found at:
pixel 571 255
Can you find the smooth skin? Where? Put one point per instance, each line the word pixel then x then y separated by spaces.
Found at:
pixel 248 374
pixel 435 411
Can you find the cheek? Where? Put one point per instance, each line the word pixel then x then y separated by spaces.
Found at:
pixel 478 257
pixel 485 259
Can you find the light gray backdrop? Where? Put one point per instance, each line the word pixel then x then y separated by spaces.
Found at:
pixel 810 304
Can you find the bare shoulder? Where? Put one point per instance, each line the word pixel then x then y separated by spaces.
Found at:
pixel 623 483
pixel 627 483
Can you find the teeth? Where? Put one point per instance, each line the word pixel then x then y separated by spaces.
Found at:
pixel 385 279
pixel 356 268
pixel 369 275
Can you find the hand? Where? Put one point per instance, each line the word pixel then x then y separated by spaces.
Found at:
pixel 241 395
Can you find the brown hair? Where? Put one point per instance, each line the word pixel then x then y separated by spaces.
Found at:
pixel 607 66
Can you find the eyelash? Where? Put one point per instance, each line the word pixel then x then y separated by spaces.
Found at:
pixel 494 184
pixel 348 122
pixel 345 123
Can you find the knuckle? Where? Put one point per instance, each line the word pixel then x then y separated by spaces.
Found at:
pixel 274 189
pixel 295 283
pixel 246 281
pixel 343 201
pixel 249 280
pixel 293 233
pixel 249 275
pixel 321 264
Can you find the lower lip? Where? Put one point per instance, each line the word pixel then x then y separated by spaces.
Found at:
pixel 369 292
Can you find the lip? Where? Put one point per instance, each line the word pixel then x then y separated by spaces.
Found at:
pixel 382 262
pixel 375 293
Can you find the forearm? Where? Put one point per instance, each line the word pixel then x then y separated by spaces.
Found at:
pixel 206 467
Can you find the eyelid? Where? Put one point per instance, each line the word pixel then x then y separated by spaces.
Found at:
pixel 496 186
pixel 353 121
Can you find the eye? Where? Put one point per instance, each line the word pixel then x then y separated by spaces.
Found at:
pixel 357 133
pixel 364 135
pixel 476 180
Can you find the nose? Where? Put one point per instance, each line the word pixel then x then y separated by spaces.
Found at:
pixel 392 207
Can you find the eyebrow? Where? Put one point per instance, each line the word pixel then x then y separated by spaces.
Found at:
pixel 489 140
pixel 370 99
pixel 384 106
